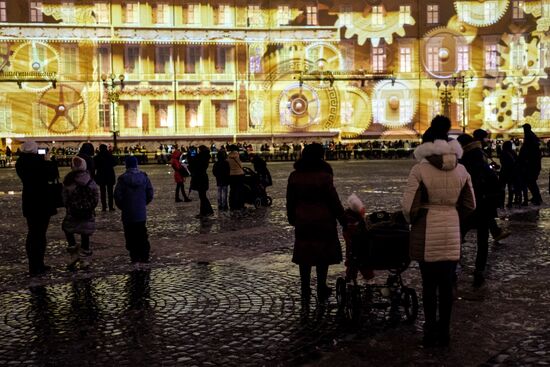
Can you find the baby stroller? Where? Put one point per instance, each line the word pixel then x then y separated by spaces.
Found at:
pixel 254 191
pixel 382 243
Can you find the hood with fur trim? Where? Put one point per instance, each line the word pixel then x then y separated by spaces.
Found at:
pixel 441 154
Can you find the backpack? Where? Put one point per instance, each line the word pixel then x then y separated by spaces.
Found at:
pixel 82 201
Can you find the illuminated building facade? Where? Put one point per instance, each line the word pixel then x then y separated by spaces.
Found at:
pixel 259 69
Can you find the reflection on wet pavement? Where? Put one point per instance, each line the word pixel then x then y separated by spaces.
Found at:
pixel 222 291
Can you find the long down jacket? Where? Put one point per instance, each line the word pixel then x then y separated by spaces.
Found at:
pixel 438 188
pixel 313 207
pixel 70 223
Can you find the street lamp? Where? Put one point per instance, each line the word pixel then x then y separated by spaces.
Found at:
pixel 110 84
pixel 462 80
pixel 446 95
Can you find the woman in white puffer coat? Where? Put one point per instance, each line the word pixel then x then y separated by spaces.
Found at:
pixel 438 188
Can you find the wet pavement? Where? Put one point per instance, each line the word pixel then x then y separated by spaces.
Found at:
pixel 223 291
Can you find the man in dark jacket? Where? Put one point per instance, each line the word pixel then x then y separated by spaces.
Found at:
pixel 530 164
pixel 486 187
pixel 133 192
pixel 87 152
pixel 104 163
pixel 198 166
pixel 35 172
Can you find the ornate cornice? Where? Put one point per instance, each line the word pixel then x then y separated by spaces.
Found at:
pixel 105 34
pixel 206 91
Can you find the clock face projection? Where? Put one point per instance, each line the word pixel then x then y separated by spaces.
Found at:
pixel 299 106
pixel 35 57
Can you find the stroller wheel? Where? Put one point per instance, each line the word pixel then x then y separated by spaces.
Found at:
pixel 257 202
pixel 353 304
pixel 409 304
pixel 341 292
pixel 267 201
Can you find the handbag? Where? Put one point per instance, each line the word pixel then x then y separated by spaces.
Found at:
pixel 55 193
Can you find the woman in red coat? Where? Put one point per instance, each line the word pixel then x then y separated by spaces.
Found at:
pixel 180 174
pixel 313 208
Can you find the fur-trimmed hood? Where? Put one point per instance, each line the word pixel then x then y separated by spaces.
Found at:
pixel 442 154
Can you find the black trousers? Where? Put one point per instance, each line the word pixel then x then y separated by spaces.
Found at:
pixel 137 241
pixel 180 187
pixel 205 207
pixel 84 240
pixel 437 290
pixel 305 276
pixel 106 193
pixel 35 245
pixel 236 192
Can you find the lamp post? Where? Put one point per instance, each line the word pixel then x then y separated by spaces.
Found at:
pixel 446 95
pixel 463 80
pixel 110 84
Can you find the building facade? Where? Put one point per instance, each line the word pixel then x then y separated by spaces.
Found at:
pixel 236 69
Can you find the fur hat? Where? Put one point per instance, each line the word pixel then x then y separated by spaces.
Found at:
pixel 131 162
pixel 29 147
pixel 355 204
pixel 78 164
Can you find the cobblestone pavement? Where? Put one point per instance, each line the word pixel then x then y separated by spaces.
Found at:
pixel 223 291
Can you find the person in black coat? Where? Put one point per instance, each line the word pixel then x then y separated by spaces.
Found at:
pixel 198 165
pixel 221 172
pixel 104 164
pixel 35 172
pixel 530 165
pixel 87 152
pixel 509 173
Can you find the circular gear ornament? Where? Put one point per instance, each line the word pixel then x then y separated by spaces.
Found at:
pixel 62 110
pixel 521 63
pixel 439 48
pixel 324 56
pixel 497 109
pixel 393 103
pixel 355 110
pixel 481 13
pixel 38 57
pixel 299 106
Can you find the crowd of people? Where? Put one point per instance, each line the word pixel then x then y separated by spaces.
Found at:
pixel 454 188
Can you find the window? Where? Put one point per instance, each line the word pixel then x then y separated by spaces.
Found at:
pixel 283 15
pixel 463 57
pixel 311 15
pixel 255 59
pixel 490 11
pixel 69 59
pixel 5 117
pixel 192 59
pixel 518 108
pixel 104 59
pixel 163 59
pixel 432 58
pixel 131 59
pixel 346 112
pixel 490 109
pixel 105 114
pixel 517 51
pixel 405 110
pixel 491 57
pixel 377 16
pixel 544 106
pixel 462 112
pixel 432 16
pixel 193 14
pixel 434 108
pixel 224 14
pixel 101 13
pixel 404 14
pixel 464 12
pixel 3 12
pixel 222 114
pixel 378 59
pixel 544 55
pixel 546 8
pixel 255 18
pixel 35 8
pixel 517 10
pixel 131 12
pixel 163 114
pixel 68 11
pixel 345 15
pixel 405 59
pixel 379 110
pixel 192 114
pixel 131 114
pixel 220 62
pixel 161 14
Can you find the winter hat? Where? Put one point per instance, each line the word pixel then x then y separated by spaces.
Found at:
pixel 355 204
pixel 131 162
pixel 480 134
pixel 78 164
pixel 29 147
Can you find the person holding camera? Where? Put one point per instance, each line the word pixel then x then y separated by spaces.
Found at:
pixel 180 175
pixel 35 171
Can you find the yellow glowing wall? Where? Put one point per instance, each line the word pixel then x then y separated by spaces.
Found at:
pixel 232 68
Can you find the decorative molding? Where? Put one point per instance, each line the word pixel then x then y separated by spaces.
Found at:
pixel 206 91
pixel 146 91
